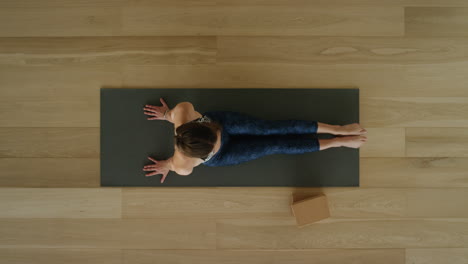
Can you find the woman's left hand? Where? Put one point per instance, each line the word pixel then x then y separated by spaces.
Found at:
pixel 156 112
pixel 160 167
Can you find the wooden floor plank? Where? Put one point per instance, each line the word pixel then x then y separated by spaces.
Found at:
pixel 297 3
pixel 60 256
pixel 56 96
pixel 50 172
pixel 60 21
pixel 414 112
pixel 57 82
pixel 107 233
pixel 56 142
pixel 373 80
pixel 309 50
pixel 42 111
pixel 439 172
pixel 438 21
pixel 444 79
pixel 108 50
pixel 315 256
pixel 437 142
pixel 218 20
pixel 437 256
pixel 384 142
pixel 329 3
pixel 275 202
pixel 61 3
pixel 60 203
pixel 282 233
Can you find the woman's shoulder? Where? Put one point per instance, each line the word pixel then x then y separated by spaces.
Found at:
pixel 195 116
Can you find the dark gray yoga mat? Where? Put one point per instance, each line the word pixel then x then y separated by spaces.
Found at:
pixel 127 137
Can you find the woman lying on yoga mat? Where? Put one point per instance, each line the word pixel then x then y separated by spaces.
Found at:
pixel 221 138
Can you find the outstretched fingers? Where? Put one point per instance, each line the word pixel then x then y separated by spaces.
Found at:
pixel 152 173
pixel 163 102
pixel 151 113
pixel 163 177
pixel 152 106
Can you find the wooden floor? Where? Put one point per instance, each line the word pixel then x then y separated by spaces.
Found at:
pixel 408 57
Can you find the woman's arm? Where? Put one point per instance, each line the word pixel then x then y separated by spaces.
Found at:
pixel 180 114
pixel 169 115
pixel 174 165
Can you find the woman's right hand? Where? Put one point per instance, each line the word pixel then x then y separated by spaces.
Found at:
pixel 156 112
pixel 159 167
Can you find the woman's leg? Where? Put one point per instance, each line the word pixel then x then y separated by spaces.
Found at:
pixel 326 128
pixel 243 148
pixel 350 129
pixel 237 123
pixel 243 124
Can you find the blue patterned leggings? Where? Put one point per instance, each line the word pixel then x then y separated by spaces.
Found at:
pixel 246 138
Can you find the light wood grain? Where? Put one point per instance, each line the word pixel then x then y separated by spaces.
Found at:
pixel 42 111
pixel 62 3
pixel 275 202
pixel 384 142
pixel 60 21
pixel 49 142
pixel 343 50
pixel 227 3
pixel 283 20
pixel 372 79
pixel 60 203
pixel 282 233
pixel 439 172
pixel 437 256
pixel 437 142
pixel 50 172
pixel 436 21
pixel 108 50
pixel 59 256
pixel 107 233
pixel 53 96
pixel 414 112
pixel 315 256
pixel 302 3
pixel 407 57
pixel 56 82
pixel 443 79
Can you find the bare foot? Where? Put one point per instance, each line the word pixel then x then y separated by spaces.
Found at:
pixel 352 141
pixel 351 129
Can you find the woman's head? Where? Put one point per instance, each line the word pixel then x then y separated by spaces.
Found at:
pixel 196 139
